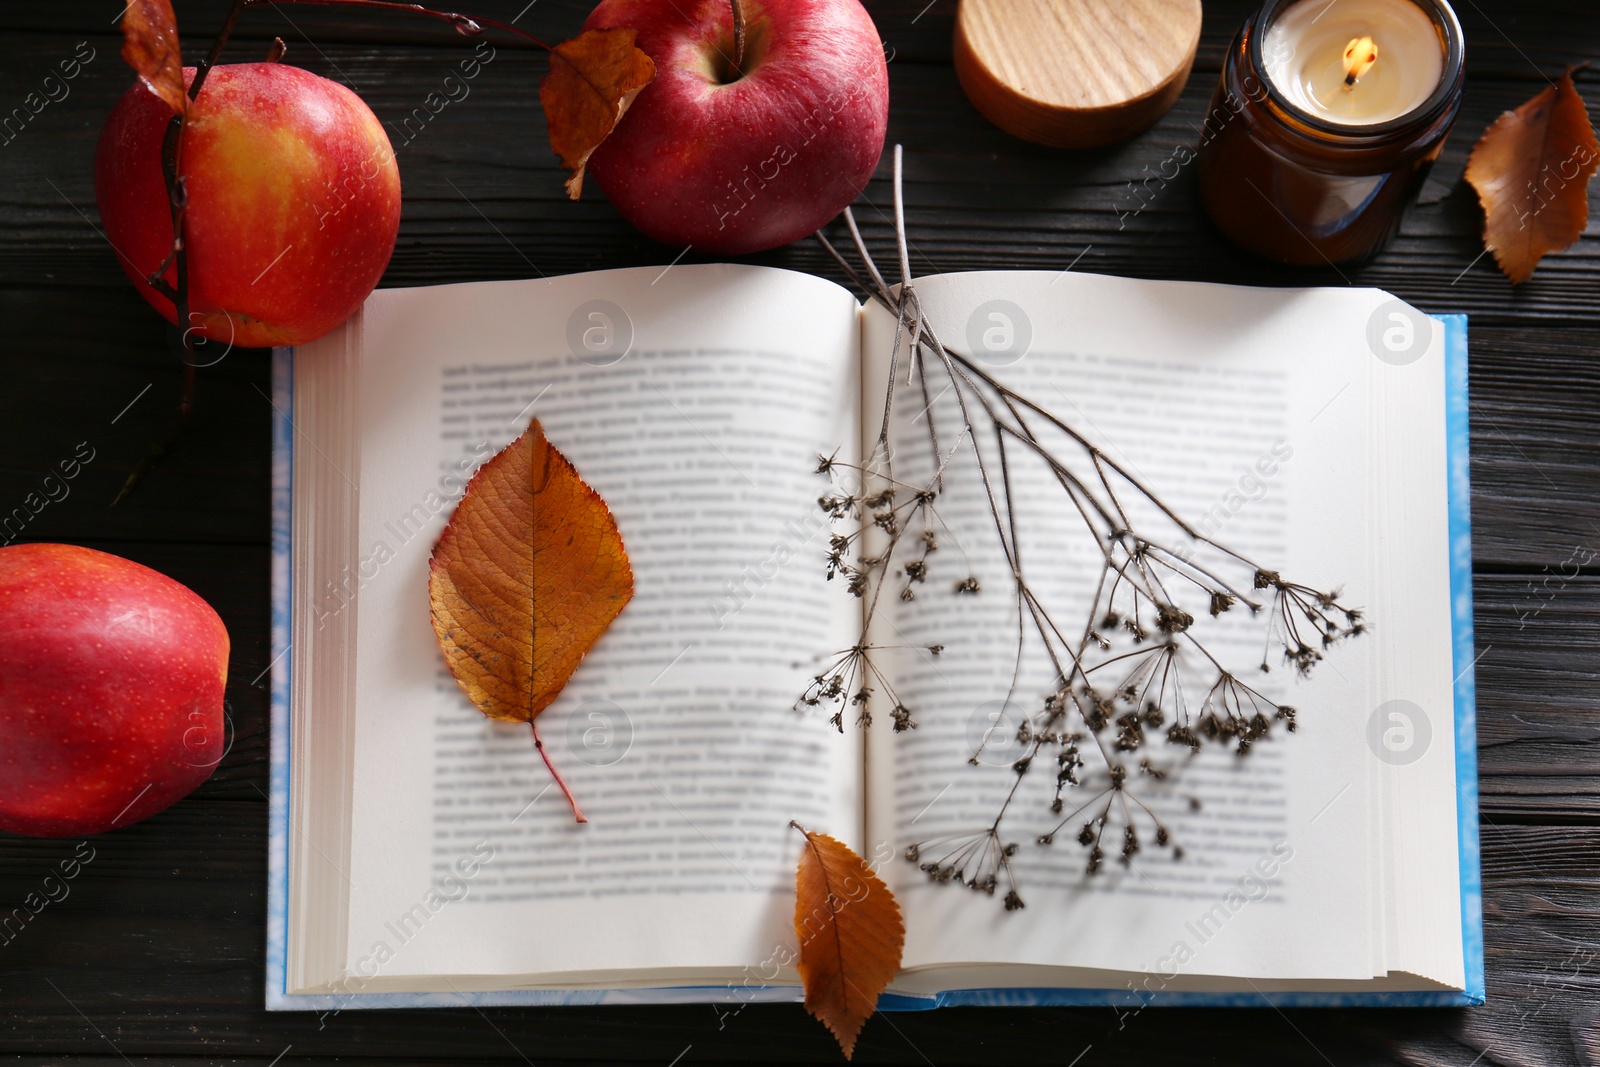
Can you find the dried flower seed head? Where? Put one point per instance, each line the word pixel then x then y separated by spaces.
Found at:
pixel 1183 735
pixel 1220 602
pixel 1097 709
pixel 1130 733
pixel 969 584
pixel 1172 620
pixel 836 506
pixel 902 719
pixel 1130 843
pixel 1014 902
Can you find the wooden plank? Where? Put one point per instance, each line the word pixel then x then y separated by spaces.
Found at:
pixel 1538 678
pixel 1511 43
pixel 89 372
pixel 484 196
pixel 1539 694
pixel 1535 445
pixel 160 943
pixel 159 946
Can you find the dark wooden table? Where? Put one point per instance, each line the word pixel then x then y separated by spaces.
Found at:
pixel 156 955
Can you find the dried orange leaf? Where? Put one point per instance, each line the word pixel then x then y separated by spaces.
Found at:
pixel 592 80
pixel 1531 169
pixel 850 932
pixel 150 47
pixel 527 575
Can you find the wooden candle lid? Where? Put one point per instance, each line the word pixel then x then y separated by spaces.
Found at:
pixel 1075 73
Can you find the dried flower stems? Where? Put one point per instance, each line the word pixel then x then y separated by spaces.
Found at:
pixel 1105 700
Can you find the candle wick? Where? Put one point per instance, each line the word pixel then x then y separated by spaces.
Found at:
pixel 1359 56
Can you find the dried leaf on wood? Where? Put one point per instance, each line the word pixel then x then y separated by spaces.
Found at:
pixel 1531 169
pixel 150 47
pixel 592 80
pixel 851 935
pixel 528 574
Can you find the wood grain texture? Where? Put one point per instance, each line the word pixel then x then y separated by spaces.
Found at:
pixel 157 954
pixel 1074 75
pixel 159 946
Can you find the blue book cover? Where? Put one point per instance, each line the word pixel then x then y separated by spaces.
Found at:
pixel 1460 564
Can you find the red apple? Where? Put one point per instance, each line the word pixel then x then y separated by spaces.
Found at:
pixel 736 162
pixel 111 679
pixel 293 201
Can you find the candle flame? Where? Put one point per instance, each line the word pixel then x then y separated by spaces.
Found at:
pixel 1359 56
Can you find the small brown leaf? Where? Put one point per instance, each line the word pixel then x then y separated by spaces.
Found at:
pixel 527 575
pixel 150 47
pixel 592 80
pixel 1531 169
pixel 851 935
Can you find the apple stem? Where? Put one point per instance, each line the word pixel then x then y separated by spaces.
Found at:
pixel 738 38
pixel 276 50
pixel 562 782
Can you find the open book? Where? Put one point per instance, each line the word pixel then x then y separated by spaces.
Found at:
pixel 420 854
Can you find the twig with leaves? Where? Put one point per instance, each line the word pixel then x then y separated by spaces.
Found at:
pixel 1137 665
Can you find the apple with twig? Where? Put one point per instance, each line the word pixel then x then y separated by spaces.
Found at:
pixel 289 202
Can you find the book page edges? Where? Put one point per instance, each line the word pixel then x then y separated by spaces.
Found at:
pixel 322 621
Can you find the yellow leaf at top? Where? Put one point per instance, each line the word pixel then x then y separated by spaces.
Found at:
pixel 592 80
pixel 150 47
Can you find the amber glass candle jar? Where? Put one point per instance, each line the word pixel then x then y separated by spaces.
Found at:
pixel 1300 187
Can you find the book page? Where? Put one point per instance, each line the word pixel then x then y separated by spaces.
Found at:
pixel 1247 412
pixel 695 400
